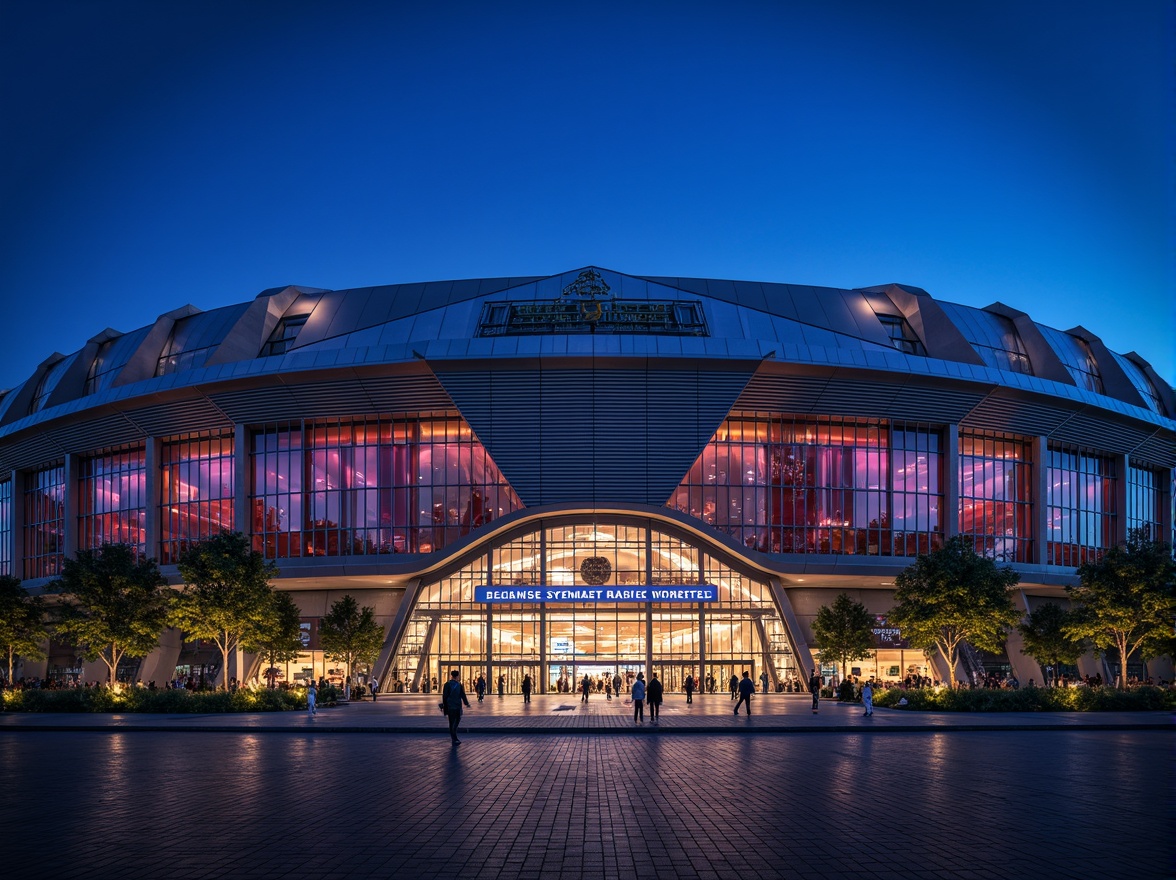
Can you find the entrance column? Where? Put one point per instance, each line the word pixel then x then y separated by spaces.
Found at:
pixel 491 687
pixel 700 679
pixel 648 641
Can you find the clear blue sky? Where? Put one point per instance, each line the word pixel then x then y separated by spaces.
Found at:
pixel 157 154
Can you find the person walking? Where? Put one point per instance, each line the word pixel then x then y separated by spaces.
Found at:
pixel 526 688
pixel 746 689
pixel 501 685
pixel 617 684
pixel 637 692
pixel 480 687
pixel 689 686
pixel 814 686
pixel 311 698
pixel 585 688
pixel 452 696
pixel 868 698
pixel 654 693
pixel 733 685
pixel 764 680
pixel 374 684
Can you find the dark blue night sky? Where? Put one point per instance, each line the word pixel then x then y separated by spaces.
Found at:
pixel 157 154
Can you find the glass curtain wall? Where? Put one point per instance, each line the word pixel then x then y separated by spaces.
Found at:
pixel 1144 502
pixel 112 496
pixel 6 527
pixel 1081 506
pixel 44 522
pixel 784 484
pixel 996 494
pixel 383 485
pixel 196 491
pixel 559 643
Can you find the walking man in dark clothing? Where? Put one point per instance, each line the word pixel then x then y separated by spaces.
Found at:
pixel 653 694
pixel 689 685
pixel 746 689
pixel 453 695
pixel 815 688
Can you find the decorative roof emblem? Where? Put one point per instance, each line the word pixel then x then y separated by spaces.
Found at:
pixel 588 285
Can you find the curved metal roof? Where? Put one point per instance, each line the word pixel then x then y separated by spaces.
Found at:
pixel 892 328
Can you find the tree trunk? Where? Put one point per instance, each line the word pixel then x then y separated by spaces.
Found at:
pixel 10 654
pixel 950 654
pixel 224 646
pixel 1122 663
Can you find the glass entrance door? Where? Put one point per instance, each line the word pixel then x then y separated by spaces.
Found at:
pixel 513 672
pixel 723 670
pixel 673 675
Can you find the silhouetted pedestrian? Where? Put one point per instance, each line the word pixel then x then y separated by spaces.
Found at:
pixel 814 686
pixel 453 695
pixel 746 688
pixel 654 693
pixel 638 694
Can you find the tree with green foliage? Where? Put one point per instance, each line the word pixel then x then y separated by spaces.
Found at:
pixel 1124 600
pixel 278 637
pixel 115 604
pixel 22 622
pixel 1046 639
pixel 952 595
pixel 227 596
pixel 844 631
pixel 349 634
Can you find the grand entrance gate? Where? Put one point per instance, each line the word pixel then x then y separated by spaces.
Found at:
pixel 566 598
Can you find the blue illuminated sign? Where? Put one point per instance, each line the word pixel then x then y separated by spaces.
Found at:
pixel 494 594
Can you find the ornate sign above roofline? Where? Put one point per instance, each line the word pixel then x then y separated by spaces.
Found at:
pixel 587 305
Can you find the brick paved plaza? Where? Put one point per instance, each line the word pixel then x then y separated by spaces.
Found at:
pixel 278 802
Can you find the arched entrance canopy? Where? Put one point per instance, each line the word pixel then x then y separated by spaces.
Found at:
pixel 599 596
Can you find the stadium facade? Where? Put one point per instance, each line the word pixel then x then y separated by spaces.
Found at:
pixel 591 472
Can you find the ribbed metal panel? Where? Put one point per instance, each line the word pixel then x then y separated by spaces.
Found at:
pixel 179 417
pixel 393 394
pixel 268 403
pixel 34 451
pixel 937 405
pixel 574 435
pixel 329 399
pixel 792 394
pixel 1094 433
pixel 102 433
pixel 1158 450
pixel 1015 416
pixel 851 398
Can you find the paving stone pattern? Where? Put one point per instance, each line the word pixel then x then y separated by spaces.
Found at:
pixel 958 804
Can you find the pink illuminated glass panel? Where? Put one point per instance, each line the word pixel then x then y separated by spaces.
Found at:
pixel 112 494
pixel 44 522
pixel 793 485
pixel 196 491
pixel 409 485
pixel 1081 506
pixel 995 484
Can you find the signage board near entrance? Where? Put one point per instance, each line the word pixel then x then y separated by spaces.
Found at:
pixel 498 593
